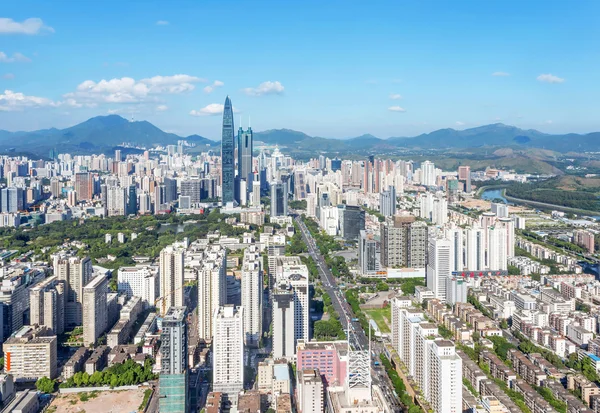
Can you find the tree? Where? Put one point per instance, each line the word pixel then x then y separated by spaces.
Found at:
pixel 382 286
pixel 45 385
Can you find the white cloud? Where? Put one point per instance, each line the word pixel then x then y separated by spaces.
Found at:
pixel 128 90
pixel 549 78
pixel 396 109
pixel 548 122
pixel 10 101
pixel 211 88
pixel 16 57
pixel 265 88
pixel 162 23
pixel 395 96
pixel 211 110
pixel 161 108
pixel 459 123
pixel 8 76
pixel 29 26
pixel 501 74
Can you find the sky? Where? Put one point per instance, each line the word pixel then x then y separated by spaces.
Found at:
pixel 328 68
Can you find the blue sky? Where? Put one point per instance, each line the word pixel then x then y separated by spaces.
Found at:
pixel 333 69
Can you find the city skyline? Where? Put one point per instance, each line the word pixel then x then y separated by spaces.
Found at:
pixel 410 70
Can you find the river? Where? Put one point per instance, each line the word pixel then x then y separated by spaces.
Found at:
pixel 494 193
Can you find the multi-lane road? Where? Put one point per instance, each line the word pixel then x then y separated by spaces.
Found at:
pixel 358 338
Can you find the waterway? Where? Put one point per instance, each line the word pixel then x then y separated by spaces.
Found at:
pixel 494 193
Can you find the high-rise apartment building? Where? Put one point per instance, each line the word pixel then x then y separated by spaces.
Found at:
pixel 445 377
pixel 116 201
pixel 387 202
pixel 252 294
pixel 212 288
pixel 228 351
pixel 47 304
pixel 227 155
pixel 428 176
pixel 311 395
pixel 171 277
pixel 84 186
pixel 31 354
pixel 440 262
pixel 173 379
pixel 12 199
pixel 284 340
pixel 403 242
pixel 368 254
pixel 76 272
pixel 474 248
pixel 95 309
pixel 140 281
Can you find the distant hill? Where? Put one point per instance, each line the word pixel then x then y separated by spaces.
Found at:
pixel 94 135
pixel 104 132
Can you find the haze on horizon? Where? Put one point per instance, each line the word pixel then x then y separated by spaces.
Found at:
pixel 340 69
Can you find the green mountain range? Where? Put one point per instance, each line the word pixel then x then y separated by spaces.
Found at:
pixel 101 133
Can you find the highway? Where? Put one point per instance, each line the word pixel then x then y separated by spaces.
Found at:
pixel 358 338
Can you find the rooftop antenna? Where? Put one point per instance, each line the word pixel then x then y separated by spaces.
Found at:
pixel 241 121
pixel 248 121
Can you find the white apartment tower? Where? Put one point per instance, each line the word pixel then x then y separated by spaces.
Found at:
pixel 212 288
pixel 171 277
pixel 440 263
pixel 139 281
pixel 95 311
pixel 252 293
pixel 445 377
pixel 228 351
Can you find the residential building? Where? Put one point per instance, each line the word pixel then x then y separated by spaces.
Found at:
pixel 95 309
pixel 47 304
pixel 171 277
pixel 30 354
pixel 173 379
pixel 76 272
pixel 228 351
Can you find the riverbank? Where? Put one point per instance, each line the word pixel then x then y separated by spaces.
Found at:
pixel 536 204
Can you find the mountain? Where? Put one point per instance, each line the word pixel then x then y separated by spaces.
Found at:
pixel 94 135
pixel 101 133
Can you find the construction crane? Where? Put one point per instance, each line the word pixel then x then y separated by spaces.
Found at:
pixel 164 300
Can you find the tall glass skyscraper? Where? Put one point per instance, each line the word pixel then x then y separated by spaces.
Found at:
pixel 227 155
pixel 245 146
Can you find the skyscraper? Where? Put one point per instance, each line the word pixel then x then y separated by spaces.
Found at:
pixel 228 351
pixel 252 293
pixel 227 155
pixel 245 146
pixel 173 385
pixel 440 262
pixel 212 288
pixel 279 199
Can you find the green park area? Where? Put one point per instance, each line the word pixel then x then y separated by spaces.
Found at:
pixel 382 316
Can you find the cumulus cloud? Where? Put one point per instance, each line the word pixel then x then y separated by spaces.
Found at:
pixel 459 123
pixel 162 23
pixel 161 108
pixel 265 88
pixel 16 57
pixel 500 74
pixel 212 109
pixel 395 96
pixel 396 109
pixel 11 101
pixel 129 90
pixel 550 78
pixel 29 26
pixel 211 88
pixel 8 76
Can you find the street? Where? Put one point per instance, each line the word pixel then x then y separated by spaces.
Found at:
pixel 358 338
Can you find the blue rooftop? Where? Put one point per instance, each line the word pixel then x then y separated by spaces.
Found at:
pixel 594 357
pixel 281 372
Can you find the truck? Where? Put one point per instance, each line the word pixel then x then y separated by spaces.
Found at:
pixel 355 320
